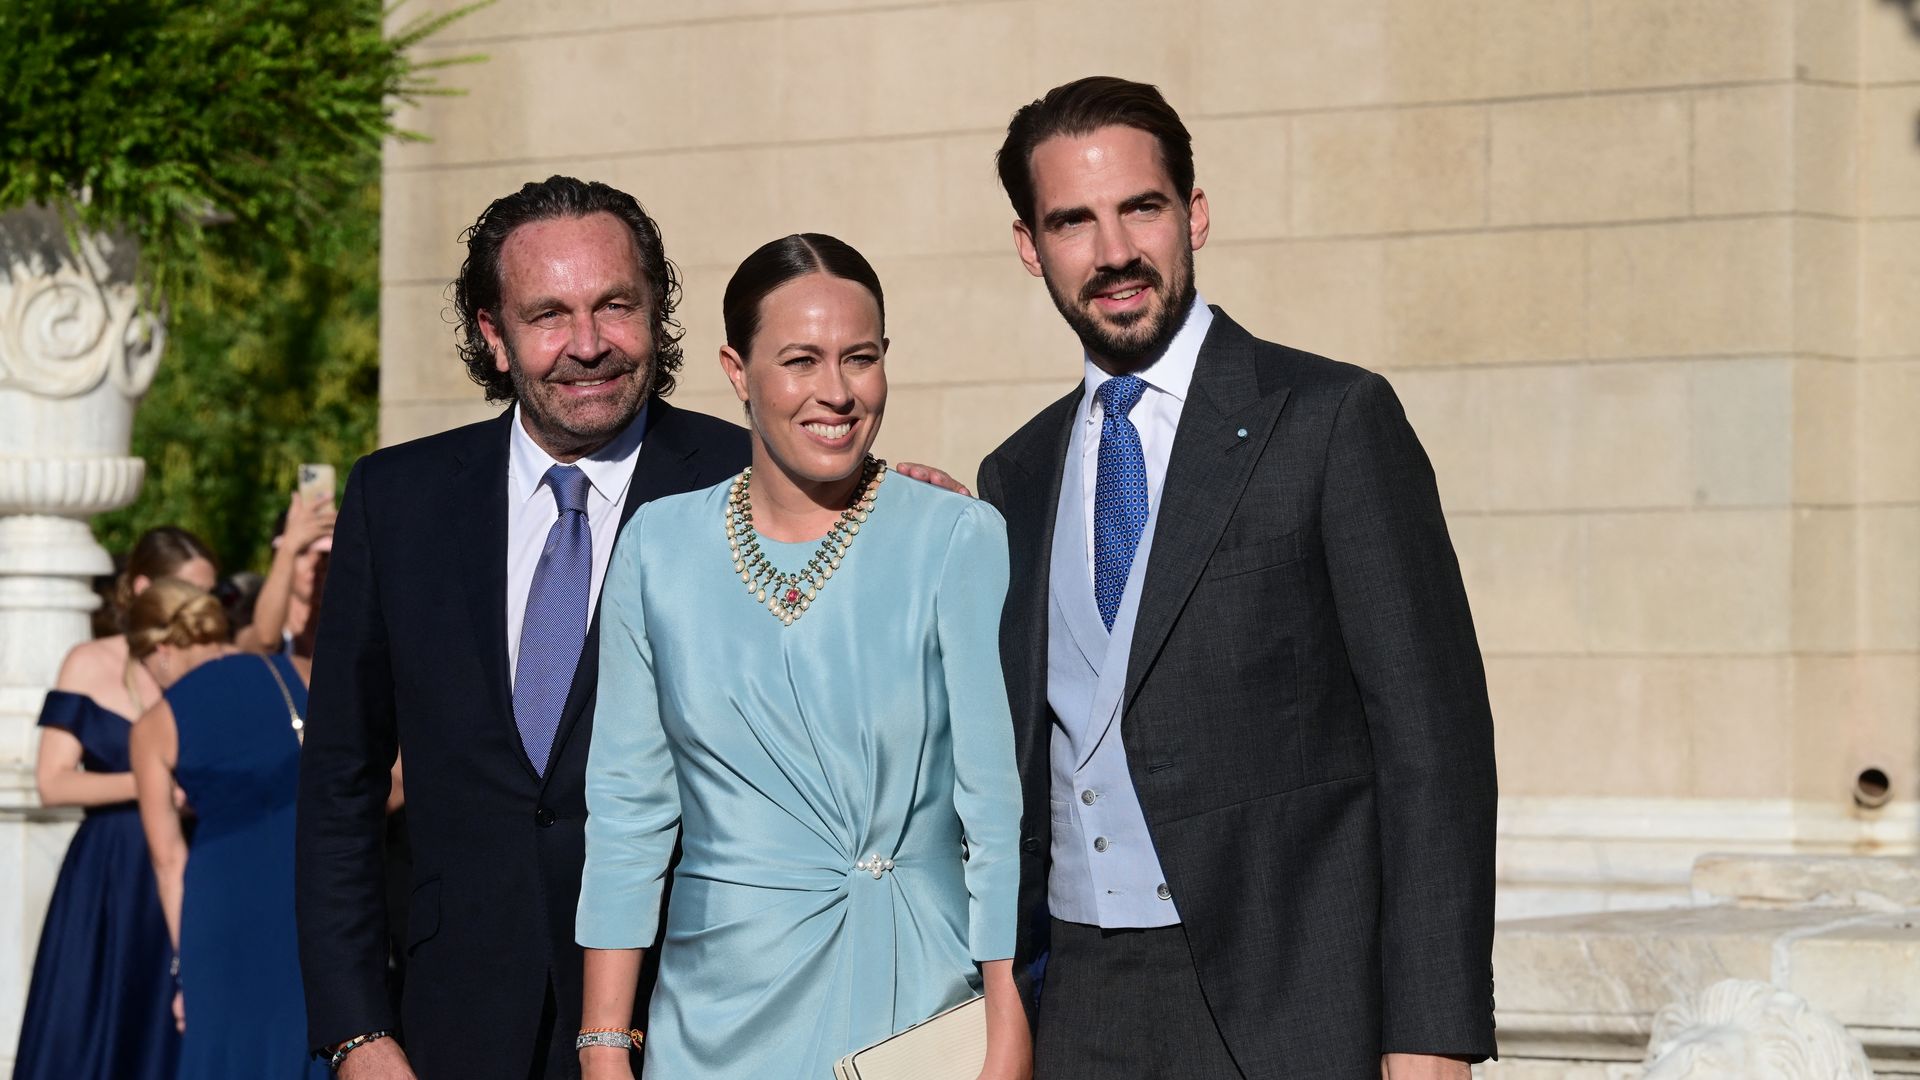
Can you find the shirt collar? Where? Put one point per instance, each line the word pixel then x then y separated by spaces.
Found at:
pixel 1172 373
pixel 609 469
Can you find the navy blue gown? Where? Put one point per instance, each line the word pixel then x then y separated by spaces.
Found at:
pixel 239 764
pixel 100 1006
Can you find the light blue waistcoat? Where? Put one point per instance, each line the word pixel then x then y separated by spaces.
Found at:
pixel 1105 871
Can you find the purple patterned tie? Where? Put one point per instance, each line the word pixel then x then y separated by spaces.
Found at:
pixel 555 627
pixel 1119 495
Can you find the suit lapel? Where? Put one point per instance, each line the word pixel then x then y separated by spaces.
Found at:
pixel 664 467
pixel 477 504
pixel 666 462
pixel 1227 419
pixel 1070 582
pixel 1033 496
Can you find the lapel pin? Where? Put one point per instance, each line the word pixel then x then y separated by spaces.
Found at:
pixel 1242 433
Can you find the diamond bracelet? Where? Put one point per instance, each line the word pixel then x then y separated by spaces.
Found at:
pixel 619 1038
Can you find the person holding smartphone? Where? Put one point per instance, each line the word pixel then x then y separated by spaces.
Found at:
pixel 283 614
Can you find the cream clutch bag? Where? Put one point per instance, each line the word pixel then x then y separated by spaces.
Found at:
pixel 950 1045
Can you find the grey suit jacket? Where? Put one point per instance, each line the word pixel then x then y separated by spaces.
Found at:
pixel 1306 716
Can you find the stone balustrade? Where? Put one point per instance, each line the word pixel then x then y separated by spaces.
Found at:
pixel 1579 994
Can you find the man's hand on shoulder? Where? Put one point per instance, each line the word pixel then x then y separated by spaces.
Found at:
pixel 1423 1067
pixel 927 474
pixel 381 1059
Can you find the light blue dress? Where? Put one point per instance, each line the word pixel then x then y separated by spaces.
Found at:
pixel 875 725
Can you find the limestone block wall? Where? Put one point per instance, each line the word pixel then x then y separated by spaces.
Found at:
pixel 1643 271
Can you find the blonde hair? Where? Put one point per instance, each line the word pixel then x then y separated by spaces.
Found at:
pixel 173 612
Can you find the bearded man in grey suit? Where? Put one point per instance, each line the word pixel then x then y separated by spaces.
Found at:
pixel 1252 720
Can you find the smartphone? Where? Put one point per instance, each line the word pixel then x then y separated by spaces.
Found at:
pixel 316 482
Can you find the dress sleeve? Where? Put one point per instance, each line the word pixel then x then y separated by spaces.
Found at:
pixel 63 711
pixel 986 783
pixel 633 796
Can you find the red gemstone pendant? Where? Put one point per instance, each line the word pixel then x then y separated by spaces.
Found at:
pixel 793 596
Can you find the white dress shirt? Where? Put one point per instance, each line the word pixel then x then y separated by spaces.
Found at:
pixel 1156 415
pixel 532 510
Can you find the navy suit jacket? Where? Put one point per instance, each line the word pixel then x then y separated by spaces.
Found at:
pixel 412 658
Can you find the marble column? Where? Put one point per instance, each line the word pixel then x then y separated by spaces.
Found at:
pixel 77 351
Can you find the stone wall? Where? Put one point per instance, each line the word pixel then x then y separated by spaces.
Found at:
pixel 1643 271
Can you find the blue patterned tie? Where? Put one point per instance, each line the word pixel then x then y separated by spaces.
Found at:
pixel 1120 494
pixel 555 627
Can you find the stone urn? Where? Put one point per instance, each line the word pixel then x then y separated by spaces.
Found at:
pixel 77 351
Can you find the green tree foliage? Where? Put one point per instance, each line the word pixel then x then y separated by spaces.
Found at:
pixel 238 143
pixel 274 361
pixel 157 118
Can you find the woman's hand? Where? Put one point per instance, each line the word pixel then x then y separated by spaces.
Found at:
pixel 1008 1070
pixel 180 1011
pixel 307 521
pixel 609 981
pixel 606 1063
pixel 1009 1040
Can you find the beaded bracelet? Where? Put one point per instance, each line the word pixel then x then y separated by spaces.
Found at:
pixel 619 1038
pixel 355 1043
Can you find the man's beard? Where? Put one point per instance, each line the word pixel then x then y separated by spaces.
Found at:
pixel 1138 338
pixel 581 427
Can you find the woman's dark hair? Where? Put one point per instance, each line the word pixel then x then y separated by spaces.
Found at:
pixel 158 553
pixel 776 263
pixel 1081 108
pixel 477 288
pixel 237 595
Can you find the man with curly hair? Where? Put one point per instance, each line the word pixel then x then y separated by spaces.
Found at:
pixel 460 631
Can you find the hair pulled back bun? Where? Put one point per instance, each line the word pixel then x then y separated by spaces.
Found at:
pixel 158 553
pixel 173 612
pixel 777 262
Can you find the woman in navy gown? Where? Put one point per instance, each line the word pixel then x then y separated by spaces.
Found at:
pixel 98 1006
pixel 227 730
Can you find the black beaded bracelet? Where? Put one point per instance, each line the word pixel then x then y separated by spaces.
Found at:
pixel 353 1044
